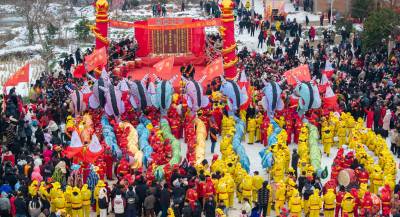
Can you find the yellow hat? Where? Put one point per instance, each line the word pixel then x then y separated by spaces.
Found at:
pixel 101 183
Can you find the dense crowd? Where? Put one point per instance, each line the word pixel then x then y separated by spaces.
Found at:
pixel 33 135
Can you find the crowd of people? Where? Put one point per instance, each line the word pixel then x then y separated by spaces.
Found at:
pixel 38 179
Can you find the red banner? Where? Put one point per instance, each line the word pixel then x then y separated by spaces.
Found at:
pixel 301 73
pixel 156 26
pixel 164 66
pixel 97 59
pixel 22 75
pixel 214 69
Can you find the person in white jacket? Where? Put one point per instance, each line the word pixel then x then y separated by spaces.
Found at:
pixel 119 206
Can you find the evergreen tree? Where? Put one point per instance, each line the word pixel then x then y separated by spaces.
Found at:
pixel 377 27
pixel 361 8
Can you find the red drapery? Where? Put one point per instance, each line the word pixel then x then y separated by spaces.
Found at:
pixel 142 38
pixel 196 39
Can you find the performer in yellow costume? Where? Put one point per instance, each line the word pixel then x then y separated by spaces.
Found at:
pixel 59 201
pixel 222 190
pixel 100 184
pixel 327 138
pixel 280 197
pixel 231 188
pixel 251 129
pixel 76 202
pixel 348 205
pixel 377 179
pixel 53 195
pixel 295 204
pixel 315 202
pixel 86 194
pixel 247 187
pixel 329 203
pixel 257 185
pixel 67 195
pixel 259 121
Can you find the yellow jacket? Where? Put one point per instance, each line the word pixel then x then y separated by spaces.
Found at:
pixel 44 194
pixel 59 201
pixel 362 190
pixel 315 201
pixel 295 203
pixel 329 200
pixel 348 203
pixel 281 191
pixel 257 182
pixel 222 189
pixel 251 125
pixel 377 176
pixel 230 183
pixel 76 198
pixel 218 165
pixel 54 191
pixel 67 195
pixel 247 186
pixel 33 188
pixel 86 194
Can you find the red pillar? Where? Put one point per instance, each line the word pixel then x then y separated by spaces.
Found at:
pixel 227 31
pixel 101 23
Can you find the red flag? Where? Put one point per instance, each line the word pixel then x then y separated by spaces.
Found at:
pixel 329 70
pixel 164 67
pixel 301 73
pixel 97 59
pixel 79 71
pixel 214 69
pixel 22 75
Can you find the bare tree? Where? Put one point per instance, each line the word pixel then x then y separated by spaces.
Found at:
pixel 38 17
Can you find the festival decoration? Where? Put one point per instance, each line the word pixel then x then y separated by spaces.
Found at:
pixel 109 137
pixel 237 145
pixel 194 94
pixel 144 134
pixel 162 97
pixel 22 75
pixel 194 24
pixel 101 29
pixel 214 69
pixel 201 136
pixel 301 73
pixel 164 66
pixel 227 31
pixel 96 59
pixel 132 144
pixel 266 154
pixel 77 104
pixel 114 105
pixel 272 98
pixel 98 99
pixel 236 96
pixel 140 98
pixel 315 152
pixel 309 97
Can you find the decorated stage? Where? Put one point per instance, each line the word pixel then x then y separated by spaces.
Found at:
pixel 140 72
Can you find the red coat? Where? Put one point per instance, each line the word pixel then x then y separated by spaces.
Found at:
pixel 191 196
pixel 201 189
pixel 383 113
pixel 109 168
pixel 370 117
pixel 339 198
pixel 209 188
pixel 386 197
pixel 312 32
pixel 363 177
pixel 123 168
pixel 366 204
